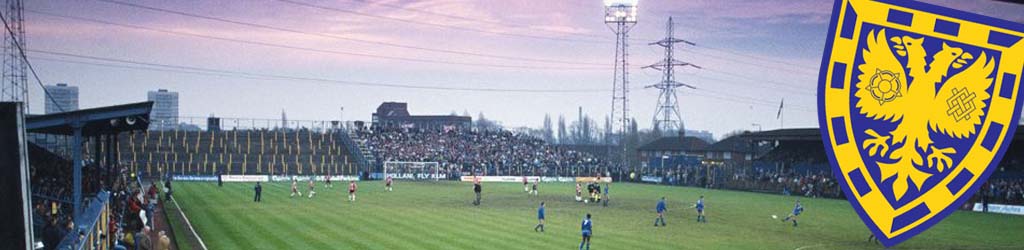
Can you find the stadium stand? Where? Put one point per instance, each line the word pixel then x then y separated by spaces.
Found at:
pixel 273 151
pixel 792 162
pixel 1006 184
pixel 797 164
pixel 73 209
pixel 486 152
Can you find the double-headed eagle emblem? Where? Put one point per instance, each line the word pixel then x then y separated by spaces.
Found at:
pixel 917 105
pixel 921 97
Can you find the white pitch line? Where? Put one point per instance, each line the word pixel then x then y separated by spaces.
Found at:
pixel 811 246
pixel 189 224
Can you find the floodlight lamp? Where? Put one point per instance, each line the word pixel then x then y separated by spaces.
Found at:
pixel 620 11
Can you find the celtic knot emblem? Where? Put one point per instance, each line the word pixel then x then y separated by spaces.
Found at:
pixel 960 105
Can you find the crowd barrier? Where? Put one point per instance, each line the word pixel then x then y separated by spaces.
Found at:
pixel 1000 209
pixel 263 178
pixel 90 230
pixel 535 178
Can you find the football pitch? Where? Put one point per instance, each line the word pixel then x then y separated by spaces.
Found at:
pixel 440 215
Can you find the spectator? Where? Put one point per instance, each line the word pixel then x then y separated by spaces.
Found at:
pixel 165 243
pixel 142 241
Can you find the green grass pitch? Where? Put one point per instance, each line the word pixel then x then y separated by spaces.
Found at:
pixel 440 215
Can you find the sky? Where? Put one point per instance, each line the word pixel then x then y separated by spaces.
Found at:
pixel 313 59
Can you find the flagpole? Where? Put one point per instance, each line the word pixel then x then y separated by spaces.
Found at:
pixel 781 115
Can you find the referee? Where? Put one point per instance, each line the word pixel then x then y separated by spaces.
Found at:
pixel 259 193
pixel 476 189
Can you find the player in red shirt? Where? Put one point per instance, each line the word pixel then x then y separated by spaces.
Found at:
pixel 534 190
pixel 311 186
pixel 352 191
pixel 387 184
pixel 579 193
pixel 295 188
pixel 525 188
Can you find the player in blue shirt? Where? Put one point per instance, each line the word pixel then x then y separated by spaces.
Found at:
pixel 796 213
pixel 540 218
pixel 585 227
pixel 700 210
pixel 661 211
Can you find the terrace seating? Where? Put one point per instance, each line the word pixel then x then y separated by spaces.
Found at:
pixel 262 151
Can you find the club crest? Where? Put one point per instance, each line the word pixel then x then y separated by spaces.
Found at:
pixel 917 104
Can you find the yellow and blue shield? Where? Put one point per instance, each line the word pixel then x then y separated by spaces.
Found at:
pixel 917 104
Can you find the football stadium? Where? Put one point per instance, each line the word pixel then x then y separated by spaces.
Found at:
pixel 736 144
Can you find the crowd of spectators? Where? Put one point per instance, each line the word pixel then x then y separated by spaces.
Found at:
pixel 809 183
pixel 131 205
pixel 487 152
pixel 507 153
pixel 1003 191
pixel 680 175
pixel 50 179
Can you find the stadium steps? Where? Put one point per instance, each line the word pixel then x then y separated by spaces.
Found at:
pixel 357 144
pixel 289 151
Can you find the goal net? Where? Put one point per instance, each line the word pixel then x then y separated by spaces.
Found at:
pixel 407 170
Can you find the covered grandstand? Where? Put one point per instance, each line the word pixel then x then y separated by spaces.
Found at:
pixel 80 192
pixel 798 153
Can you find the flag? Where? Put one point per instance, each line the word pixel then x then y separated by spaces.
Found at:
pixel 779 115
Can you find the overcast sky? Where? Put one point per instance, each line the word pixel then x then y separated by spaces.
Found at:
pixel 754 54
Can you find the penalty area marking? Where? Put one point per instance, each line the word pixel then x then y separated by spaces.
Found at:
pixel 189 224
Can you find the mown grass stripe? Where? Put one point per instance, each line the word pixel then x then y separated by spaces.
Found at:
pixel 438 215
pixel 270 233
pixel 212 225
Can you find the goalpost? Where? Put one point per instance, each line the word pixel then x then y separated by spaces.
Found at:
pixel 413 170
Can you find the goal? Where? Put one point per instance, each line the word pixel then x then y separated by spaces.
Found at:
pixel 409 170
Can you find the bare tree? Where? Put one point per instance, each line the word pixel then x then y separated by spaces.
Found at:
pixel 563 136
pixel 548 130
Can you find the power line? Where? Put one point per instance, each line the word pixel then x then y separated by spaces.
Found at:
pixel 794 69
pixel 331 51
pixel 413 47
pixel 322 7
pixel 341 52
pixel 170 70
pixel 315 79
pixel 719 50
pixel 754 99
pixel 308 49
pixel 338 52
pixel 327 35
pixel 148 66
pixel 769 87
pixel 758 103
pixel 759 58
pixel 781 84
pixel 464 18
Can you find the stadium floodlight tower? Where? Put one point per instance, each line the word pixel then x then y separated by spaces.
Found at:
pixel 620 16
pixel 14 86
